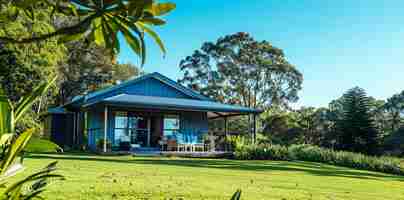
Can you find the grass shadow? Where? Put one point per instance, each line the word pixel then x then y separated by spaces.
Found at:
pixel 317 169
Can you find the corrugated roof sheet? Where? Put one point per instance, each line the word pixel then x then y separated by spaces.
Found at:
pixel 174 103
pixel 57 110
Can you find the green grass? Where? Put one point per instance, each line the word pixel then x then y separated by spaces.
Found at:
pixel 126 177
pixel 38 145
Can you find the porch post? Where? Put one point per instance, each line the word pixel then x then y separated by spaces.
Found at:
pixel 225 127
pixel 225 134
pixel 105 128
pixel 148 131
pixel 76 136
pixel 255 128
pixel 74 129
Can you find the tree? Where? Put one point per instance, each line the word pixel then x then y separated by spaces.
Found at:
pixel 99 21
pixel 314 124
pixel 281 127
pixel 237 69
pixel 395 109
pixel 356 128
pixel 23 67
pixel 89 67
pixel 12 144
pixel 123 72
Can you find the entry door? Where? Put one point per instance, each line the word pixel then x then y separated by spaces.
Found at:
pixel 139 129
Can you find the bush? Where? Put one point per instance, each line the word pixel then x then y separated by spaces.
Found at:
pixel 38 145
pixel 317 154
pixel 100 145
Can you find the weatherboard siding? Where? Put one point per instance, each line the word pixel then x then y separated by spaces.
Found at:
pixel 194 122
pixel 146 87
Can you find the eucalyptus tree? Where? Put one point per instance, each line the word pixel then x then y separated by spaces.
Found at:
pixel 238 69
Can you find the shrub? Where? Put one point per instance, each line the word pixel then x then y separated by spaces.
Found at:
pixel 317 154
pixel 100 145
pixel 38 145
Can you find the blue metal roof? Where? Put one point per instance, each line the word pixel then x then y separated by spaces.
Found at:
pixel 158 76
pixel 57 110
pixel 174 103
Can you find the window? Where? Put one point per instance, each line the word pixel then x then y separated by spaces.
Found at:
pixel 121 128
pixel 171 124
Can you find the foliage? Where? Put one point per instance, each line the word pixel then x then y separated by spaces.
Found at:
pixel 237 69
pixel 322 155
pixel 89 67
pixel 12 145
pixel 306 125
pixel 98 21
pixel 262 152
pixel 100 145
pixel 393 144
pixel 31 186
pixel 236 195
pixel 22 67
pixel 395 109
pixel 356 129
pixel 38 145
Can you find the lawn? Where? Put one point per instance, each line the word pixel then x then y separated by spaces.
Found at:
pixel 126 177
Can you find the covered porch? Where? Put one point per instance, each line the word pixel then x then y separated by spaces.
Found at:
pixel 157 124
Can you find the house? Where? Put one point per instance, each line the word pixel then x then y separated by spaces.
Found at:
pixel 138 113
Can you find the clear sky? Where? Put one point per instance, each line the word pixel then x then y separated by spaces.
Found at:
pixel 335 44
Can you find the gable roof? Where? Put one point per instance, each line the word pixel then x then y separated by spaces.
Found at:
pixel 165 80
pixel 196 102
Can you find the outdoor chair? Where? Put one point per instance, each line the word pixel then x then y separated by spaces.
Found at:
pixel 172 145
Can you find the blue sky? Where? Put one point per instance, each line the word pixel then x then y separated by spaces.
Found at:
pixel 335 44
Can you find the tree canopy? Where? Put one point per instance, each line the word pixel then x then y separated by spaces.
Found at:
pixel 99 21
pixel 356 128
pixel 238 69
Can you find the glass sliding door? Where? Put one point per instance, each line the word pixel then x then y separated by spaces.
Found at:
pixel 121 132
pixel 131 129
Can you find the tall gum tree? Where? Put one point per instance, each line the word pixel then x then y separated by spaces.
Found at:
pixel 237 69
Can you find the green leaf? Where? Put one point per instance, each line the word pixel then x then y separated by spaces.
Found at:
pixel 130 24
pixel 69 38
pixel 112 34
pixel 98 32
pixel 6 114
pixel 153 21
pixel 236 195
pixel 5 139
pixel 16 147
pixel 26 102
pixel 153 34
pixel 162 8
pixel 136 8
pixel 73 9
pixel 129 37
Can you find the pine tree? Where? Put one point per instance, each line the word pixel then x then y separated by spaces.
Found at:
pixel 356 129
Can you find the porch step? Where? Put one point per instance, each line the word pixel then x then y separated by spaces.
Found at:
pixel 146 149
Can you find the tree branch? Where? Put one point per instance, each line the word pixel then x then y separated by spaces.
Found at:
pixel 78 28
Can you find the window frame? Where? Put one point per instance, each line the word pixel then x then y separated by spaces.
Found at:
pixel 173 130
